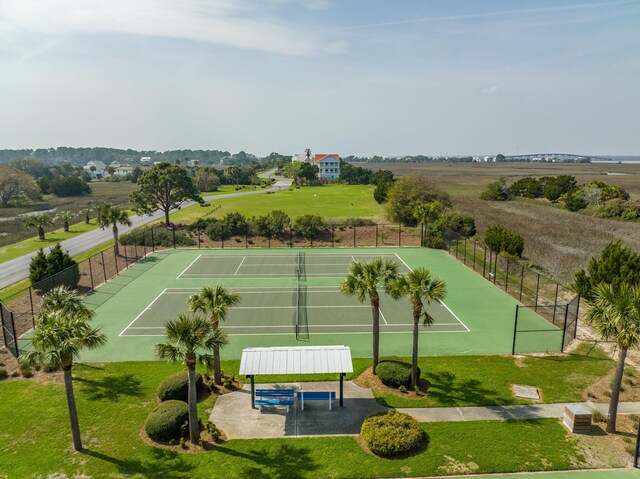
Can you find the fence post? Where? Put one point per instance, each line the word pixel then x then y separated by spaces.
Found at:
pixel 535 308
pixel 506 281
pixel 173 231
pixel 555 304
pixel 376 235
pixel 91 273
pixel 495 269
pixel 333 232
pixel 269 236
pixel 153 243
pixel 490 262
pixel 575 328
pixel 31 302
pixel 135 252
pixel 104 268
pixel 564 327
pixel 15 336
pixel 422 234
pixel 126 259
pixel 290 238
pixel 515 331
pixel 474 254
pixel 484 264
pixel 354 236
pixel 465 250
pixel 246 235
pixel 144 244
pixel 222 236
pixel 399 234
pixel 521 281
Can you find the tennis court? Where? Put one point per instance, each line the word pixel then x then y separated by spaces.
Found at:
pixel 290 297
pixel 282 311
pixel 281 265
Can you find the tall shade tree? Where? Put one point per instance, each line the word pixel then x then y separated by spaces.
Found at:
pixel 187 336
pixel 58 340
pixel 615 314
pixel 421 290
pixel 164 187
pixel 17 186
pixel 363 282
pixel 39 222
pixel 66 301
pixel 215 301
pixel 65 216
pixel 112 216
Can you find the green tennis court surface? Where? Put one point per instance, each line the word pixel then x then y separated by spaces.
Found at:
pixel 292 298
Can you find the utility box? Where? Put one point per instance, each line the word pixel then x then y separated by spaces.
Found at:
pixel 577 418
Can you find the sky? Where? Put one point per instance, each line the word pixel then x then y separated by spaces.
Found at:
pixel 396 77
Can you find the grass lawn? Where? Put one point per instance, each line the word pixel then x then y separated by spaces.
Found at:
pixel 328 201
pixel 487 380
pixel 52 237
pixel 115 398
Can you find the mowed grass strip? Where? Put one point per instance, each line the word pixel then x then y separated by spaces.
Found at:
pixel 328 201
pixel 114 400
pixel 487 380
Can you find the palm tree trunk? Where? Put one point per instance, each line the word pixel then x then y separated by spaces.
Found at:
pixel 115 240
pixel 217 371
pixel 41 232
pixel 375 312
pixel 73 413
pixel 414 358
pixel 66 226
pixel 194 429
pixel 86 218
pixel 615 391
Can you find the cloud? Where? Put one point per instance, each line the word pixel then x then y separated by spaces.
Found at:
pixel 499 13
pixel 222 22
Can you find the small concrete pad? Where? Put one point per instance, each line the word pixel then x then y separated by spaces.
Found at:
pixel 526 392
pixel 233 414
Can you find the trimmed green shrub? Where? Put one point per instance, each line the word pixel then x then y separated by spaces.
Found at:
pixel 503 240
pixel 160 237
pixel 57 262
pixel 394 373
pixel 392 434
pixel 3 374
pixel 165 422
pixel 176 387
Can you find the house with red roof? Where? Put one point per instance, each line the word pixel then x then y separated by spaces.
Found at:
pixel 328 165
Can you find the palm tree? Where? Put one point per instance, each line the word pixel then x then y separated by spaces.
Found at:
pixel 65 216
pixel 421 290
pixel 615 314
pixel 58 339
pixel 113 216
pixel 39 222
pixel 215 301
pixel 363 281
pixel 66 301
pixel 86 212
pixel 186 336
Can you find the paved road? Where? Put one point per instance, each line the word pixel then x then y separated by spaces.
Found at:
pixel 17 269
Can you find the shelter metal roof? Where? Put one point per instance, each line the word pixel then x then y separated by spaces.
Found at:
pixel 296 360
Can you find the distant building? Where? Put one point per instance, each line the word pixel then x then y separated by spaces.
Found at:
pixel 299 157
pixel 97 169
pixel 328 166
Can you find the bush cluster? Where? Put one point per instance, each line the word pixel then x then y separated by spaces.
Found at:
pixel 394 373
pixel 160 237
pixel 392 434
pixel 176 387
pixel 57 262
pixel 166 421
pixel 503 240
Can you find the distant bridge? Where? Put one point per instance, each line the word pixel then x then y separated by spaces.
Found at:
pixel 560 156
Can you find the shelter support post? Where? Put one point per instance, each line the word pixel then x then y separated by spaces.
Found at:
pixel 253 391
pixel 341 389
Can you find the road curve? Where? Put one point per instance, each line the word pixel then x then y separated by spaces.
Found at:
pixel 17 269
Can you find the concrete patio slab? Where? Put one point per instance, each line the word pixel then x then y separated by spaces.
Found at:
pixel 233 414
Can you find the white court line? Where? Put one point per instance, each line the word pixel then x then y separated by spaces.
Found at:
pixel 315 333
pixel 143 311
pixel 239 266
pixel 288 326
pixel 190 265
pixel 382 316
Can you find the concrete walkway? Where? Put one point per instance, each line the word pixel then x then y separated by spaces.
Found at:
pixel 233 414
pixel 500 413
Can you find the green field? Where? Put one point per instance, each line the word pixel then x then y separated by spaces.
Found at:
pixel 114 399
pixel 328 201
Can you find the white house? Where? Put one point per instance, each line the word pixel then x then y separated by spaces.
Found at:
pixel 328 166
pixel 301 157
pixel 97 169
